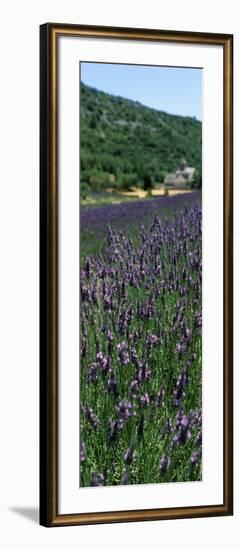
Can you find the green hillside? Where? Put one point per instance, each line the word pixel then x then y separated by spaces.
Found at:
pixel 124 143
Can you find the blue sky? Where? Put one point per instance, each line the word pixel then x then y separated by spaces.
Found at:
pixel 171 89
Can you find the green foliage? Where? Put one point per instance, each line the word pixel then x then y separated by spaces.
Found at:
pixel 147 181
pixel 130 141
pixel 127 181
pixel 197 180
pixel 84 190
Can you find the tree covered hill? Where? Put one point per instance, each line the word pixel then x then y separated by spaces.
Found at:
pixel 124 143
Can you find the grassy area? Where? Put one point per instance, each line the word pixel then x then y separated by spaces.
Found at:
pixel 103 198
pixel 108 197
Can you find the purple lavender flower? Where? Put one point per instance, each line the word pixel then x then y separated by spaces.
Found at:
pixel 133 355
pixel 95 294
pixel 186 332
pixel 107 301
pixel 85 293
pixel 84 348
pixel 179 417
pixel 82 408
pixel 82 452
pixel 183 432
pixel 110 338
pixel 128 456
pixel 92 373
pixel 88 267
pixel 199 439
pixel 125 478
pixel 169 425
pixel 144 400
pixel 143 373
pixel 125 409
pixel 164 464
pixel 123 322
pixel 134 388
pixel 112 384
pixel 151 340
pixel 115 427
pixel 198 320
pixel 92 418
pixel 195 457
pixel 104 362
pixel 159 397
pixel 181 383
pixel 179 349
pixel 97 480
pixel 123 353
pixel 148 314
pixel 185 422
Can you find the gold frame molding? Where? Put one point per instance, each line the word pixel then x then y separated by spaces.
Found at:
pixel 49 34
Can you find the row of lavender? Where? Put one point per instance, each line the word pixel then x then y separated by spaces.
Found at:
pixel 141 355
pixel 128 215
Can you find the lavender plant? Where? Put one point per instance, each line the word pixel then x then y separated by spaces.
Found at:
pixel 140 371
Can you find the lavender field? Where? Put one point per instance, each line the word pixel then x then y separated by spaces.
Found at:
pixel 141 318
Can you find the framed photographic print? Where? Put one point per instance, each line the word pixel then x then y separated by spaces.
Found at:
pixel 136 275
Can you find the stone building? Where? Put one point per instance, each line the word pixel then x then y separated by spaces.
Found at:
pixel 181 178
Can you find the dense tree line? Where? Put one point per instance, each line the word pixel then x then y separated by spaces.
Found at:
pixel 125 144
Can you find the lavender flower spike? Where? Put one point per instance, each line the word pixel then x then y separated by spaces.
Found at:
pixel 123 353
pixel 164 464
pixel 128 456
pixel 97 480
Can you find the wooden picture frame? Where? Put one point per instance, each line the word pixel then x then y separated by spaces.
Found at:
pixel 50 34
